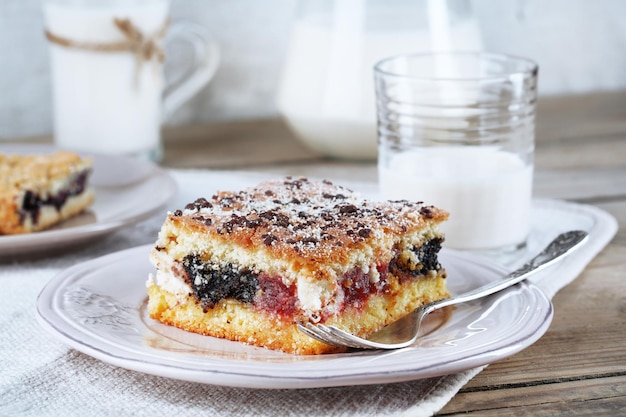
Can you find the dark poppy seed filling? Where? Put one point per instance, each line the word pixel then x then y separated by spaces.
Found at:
pixel 33 203
pixel 427 253
pixel 427 261
pixel 211 283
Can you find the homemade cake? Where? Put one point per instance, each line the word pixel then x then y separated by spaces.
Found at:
pixel 37 191
pixel 250 265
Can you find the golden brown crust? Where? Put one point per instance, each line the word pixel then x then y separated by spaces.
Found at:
pixel 42 176
pixel 309 222
pixel 38 172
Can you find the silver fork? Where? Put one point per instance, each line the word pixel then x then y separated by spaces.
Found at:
pixel 406 331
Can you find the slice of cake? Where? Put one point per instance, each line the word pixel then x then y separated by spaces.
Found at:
pixel 38 191
pixel 250 265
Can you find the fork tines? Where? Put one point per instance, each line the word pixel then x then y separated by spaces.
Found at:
pixel 331 335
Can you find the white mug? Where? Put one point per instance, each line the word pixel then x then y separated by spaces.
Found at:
pixel 109 90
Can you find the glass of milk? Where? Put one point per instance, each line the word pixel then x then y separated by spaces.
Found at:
pixel 109 93
pixel 456 130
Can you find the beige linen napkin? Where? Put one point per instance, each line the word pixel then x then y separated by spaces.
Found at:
pixel 41 377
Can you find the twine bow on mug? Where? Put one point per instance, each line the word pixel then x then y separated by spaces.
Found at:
pixel 144 48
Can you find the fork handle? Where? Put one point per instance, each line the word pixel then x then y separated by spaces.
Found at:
pixel 562 244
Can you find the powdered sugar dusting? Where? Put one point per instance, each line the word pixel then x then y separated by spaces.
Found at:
pixel 305 215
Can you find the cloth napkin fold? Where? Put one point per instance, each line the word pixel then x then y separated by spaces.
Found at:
pixel 41 377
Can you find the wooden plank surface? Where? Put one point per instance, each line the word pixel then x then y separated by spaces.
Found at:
pixel 581 397
pixel 233 145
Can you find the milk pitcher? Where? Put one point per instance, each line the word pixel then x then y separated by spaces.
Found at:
pixel 326 93
pixel 107 56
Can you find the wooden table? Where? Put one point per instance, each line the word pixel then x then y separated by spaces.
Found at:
pixel 579 366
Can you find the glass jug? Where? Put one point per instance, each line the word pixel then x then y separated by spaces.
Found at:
pixel 326 93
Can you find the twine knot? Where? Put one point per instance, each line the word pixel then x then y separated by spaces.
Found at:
pixel 145 49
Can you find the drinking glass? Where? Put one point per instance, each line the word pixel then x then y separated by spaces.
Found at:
pixel 456 130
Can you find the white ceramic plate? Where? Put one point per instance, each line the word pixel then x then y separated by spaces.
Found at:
pixel 98 308
pixel 127 191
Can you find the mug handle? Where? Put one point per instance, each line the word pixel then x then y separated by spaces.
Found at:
pixel 204 64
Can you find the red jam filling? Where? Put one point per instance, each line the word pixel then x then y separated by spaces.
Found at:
pixel 358 286
pixel 275 297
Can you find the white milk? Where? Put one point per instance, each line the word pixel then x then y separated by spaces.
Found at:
pixel 326 94
pixel 100 103
pixel 487 192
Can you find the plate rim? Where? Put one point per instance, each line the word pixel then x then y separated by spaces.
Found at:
pixel 283 376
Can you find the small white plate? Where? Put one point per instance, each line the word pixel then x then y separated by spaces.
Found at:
pixel 99 308
pixel 127 191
